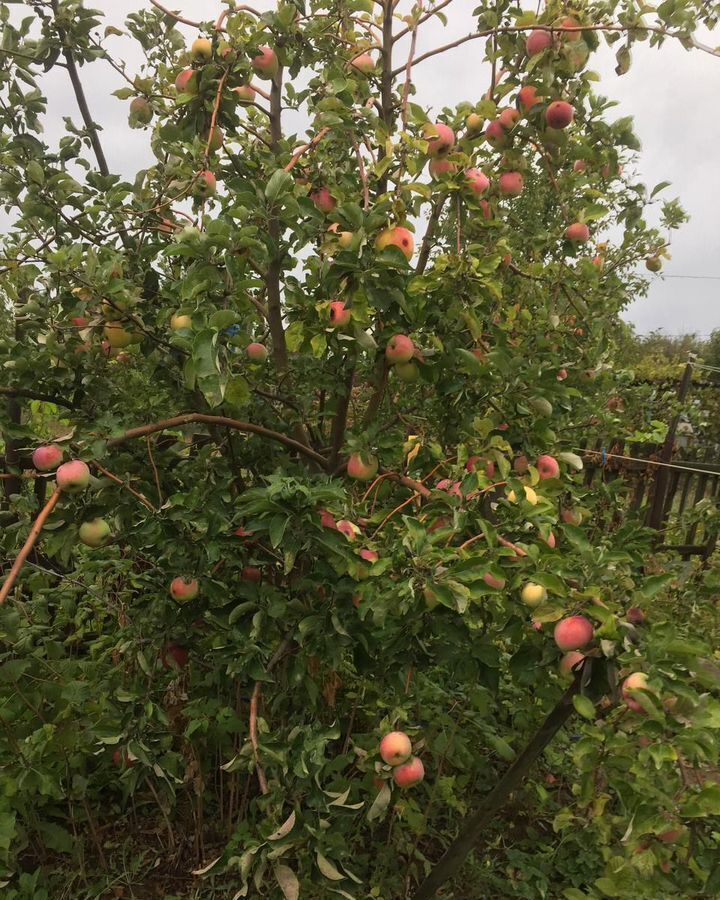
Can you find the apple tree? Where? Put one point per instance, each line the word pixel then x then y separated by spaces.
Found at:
pixel 304 592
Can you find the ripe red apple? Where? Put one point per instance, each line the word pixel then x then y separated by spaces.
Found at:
pixel 94 533
pixel 73 477
pixel 509 118
pixel 323 200
pixel 245 93
pixel 201 50
pixel 579 166
pixel 396 236
pixel 496 135
pixel 348 528
pixel 569 661
pixel 257 352
pixel 493 581
pixel 578 232
pixel 266 63
pixel 327 519
pixel 173 656
pixel 571 516
pixel 47 458
pixel 511 184
pixel 477 181
pixel 533 594
pixel 537 42
pixel 521 464
pixel 637 681
pixel 527 97
pixel 671 836
pixel 443 141
pixel 395 748
pixel 551 542
pixel 340 315
pixel 251 574
pixel 363 63
pixel 547 467
pixel 205 185
pixel 186 82
pixel 635 615
pixel 562 374
pixel 407 371
pixel 573 633
pixel 485 209
pixel 362 466
pixel 439 167
pixel 120 758
pixel 570 22
pixel 410 773
pixel 184 589
pixel 80 321
pixel 559 114
pixel 399 349
pixel 371 556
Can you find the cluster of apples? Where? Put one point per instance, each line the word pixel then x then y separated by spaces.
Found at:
pixel 265 64
pixel 396 751
pixel 72 478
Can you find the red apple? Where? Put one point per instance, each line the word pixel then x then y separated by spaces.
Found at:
pixel 371 556
pixel 266 63
pixel 73 477
pixel 323 200
pixel 47 458
pixel 569 661
pixel 214 140
pixel 186 82
pixel 485 209
pixel 327 519
pixel 477 181
pixel 496 135
pixel 395 748
pixel 174 655
pixel 638 681
pixel 493 581
pixel 562 374
pixel 579 166
pixel 559 114
pixel 573 633
pixel 256 352
pixel 578 232
pixel 348 528
pixel 184 589
pixel 364 63
pixel 547 467
pixel 245 93
pixel 551 541
pixel 570 22
pixel 635 615
pixel 439 167
pixel 396 236
pixel 537 42
pixel 511 184
pixel 410 773
pixel 509 118
pixel 362 466
pixel 205 185
pixel 340 315
pixel 251 574
pixel 120 758
pixel 399 349
pixel 527 97
pixel 443 142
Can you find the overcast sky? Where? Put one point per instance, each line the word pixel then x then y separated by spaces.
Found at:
pixel 672 94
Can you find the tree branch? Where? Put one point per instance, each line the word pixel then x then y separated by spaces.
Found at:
pixel 29 544
pixel 299 153
pixel 36 395
pixel 430 233
pixel 339 423
pixel 254 703
pixel 471 829
pixel 225 422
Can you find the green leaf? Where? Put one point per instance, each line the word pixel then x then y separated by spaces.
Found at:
pixel 653 584
pixel 584 706
pixel 705 803
pixel 659 187
pixel 237 391
pixel 380 803
pixel 287 881
pixel 281 182
pixel 554 584
pixel 577 538
pixel 222 318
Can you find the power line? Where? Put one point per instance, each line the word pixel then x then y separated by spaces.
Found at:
pixel 699 277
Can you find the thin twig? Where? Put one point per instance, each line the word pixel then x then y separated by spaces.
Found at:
pixel 301 151
pixel 29 544
pixel 141 497
pixel 176 16
pixel 408 68
pixel 363 177
pixel 154 468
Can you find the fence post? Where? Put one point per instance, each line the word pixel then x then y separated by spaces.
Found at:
pixel 662 478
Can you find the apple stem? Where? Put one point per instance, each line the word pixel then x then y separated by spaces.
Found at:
pixel 471 829
pixel 29 544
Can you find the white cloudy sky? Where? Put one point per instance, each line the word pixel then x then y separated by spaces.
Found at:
pixel 671 93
